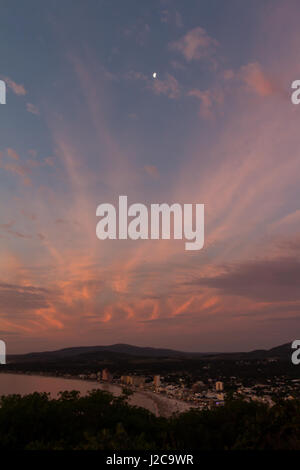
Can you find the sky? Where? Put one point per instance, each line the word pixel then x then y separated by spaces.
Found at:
pixel 85 122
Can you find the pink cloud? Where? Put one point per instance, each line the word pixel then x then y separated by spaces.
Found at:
pixel 31 108
pixel 244 186
pixel 208 99
pixel 195 45
pixel 256 80
pixel 19 170
pixel 169 87
pixel 15 166
pixel 17 89
pixel 12 153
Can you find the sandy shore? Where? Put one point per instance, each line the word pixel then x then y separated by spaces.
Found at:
pixel 158 404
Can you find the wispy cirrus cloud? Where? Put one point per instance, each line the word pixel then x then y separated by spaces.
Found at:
pixel 11 162
pixel 244 168
pixel 18 169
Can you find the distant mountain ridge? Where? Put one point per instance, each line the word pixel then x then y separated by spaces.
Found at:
pixel 126 350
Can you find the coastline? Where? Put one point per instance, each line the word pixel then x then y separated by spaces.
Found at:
pixel 157 404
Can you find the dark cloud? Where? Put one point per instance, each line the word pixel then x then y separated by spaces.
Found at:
pixel 16 298
pixel 263 280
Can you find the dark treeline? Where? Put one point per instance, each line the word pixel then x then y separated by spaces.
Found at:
pixel 100 421
pixel 197 368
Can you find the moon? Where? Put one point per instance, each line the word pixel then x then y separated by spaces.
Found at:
pixel 154 75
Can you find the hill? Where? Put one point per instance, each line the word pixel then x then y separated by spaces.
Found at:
pixel 127 351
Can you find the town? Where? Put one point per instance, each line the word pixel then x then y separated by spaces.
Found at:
pixel 201 394
pixel 175 381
